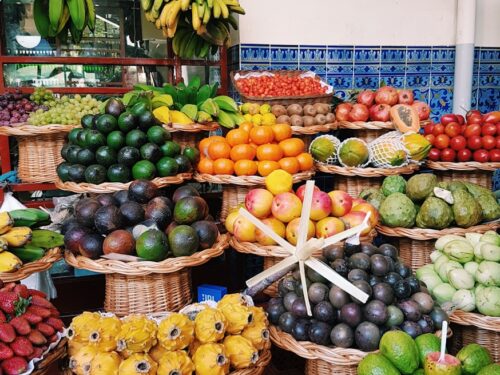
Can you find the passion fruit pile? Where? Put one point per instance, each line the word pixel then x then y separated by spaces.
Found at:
pixel 397 300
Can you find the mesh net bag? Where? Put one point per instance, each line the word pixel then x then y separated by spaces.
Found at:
pixel 324 149
pixel 389 151
pixel 354 152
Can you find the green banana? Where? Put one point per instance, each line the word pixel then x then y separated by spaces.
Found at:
pixel 232 21
pixel 225 120
pixel 91 14
pixel 41 17
pixel 146 4
pixel 210 107
pixel 187 51
pixel 204 49
pixel 237 118
pixel 226 103
pixel 77 11
pixel 76 35
pixel 28 217
pixel 203 94
pixel 46 239
pixel 157 5
pixel 55 13
pixel 237 9
pixel 195 82
pixel 169 89
pixel 214 87
pixel 28 253
pixel 63 21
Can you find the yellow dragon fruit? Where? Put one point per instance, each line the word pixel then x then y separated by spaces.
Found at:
pixel 193 347
pixel 240 351
pixel 210 326
pixel 80 363
pixel 237 316
pixel 258 315
pixel 74 347
pixel 176 362
pixel 258 334
pixel 211 359
pixel 104 336
pixel 176 332
pixel 82 326
pixel 232 299
pixel 105 363
pixel 157 352
pixel 137 334
pixel 417 145
pixel 138 364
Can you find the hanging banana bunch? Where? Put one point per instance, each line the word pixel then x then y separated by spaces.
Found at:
pixel 196 27
pixel 53 18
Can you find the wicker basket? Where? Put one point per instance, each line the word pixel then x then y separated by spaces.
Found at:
pixel 283 100
pixel 315 129
pixel 43 264
pixel 232 196
pixel 245 180
pixel 367 131
pixel 476 328
pixel 478 173
pixel 110 187
pixel 415 253
pixel 44 366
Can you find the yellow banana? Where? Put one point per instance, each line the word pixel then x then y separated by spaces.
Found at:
pixel 207 14
pixel 185 5
pixel 77 12
pixel 195 19
pixel 64 19
pixel 9 262
pixel 91 15
pixel 6 222
pixel 174 14
pixel 231 3
pixel 18 236
pixel 4 245
pixel 158 23
pixel 201 10
pixel 216 10
pixel 223 8
pixel 55 13
pixel 164 14
pixel 157 4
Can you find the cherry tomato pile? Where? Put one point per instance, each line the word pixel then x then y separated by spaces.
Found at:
pixel 459 139
pixel 279 85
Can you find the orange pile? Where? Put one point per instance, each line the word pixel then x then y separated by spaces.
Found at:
pixel 251 150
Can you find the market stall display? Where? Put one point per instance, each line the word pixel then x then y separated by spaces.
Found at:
pixel 15 108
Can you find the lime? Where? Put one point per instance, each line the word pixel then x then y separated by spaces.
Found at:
pixel 139 108
pixel 105 156
pixel 143 170
pixel 94 139
pixel 158 135
pixel 167 166
pixel 116 140
pixel 119 173
pixel 63 171
pixel 106 124
pixel 183 240
pixel 95 174
pixel 128 156
pixel 127 122
pixel 152 245
pixel 87 121
pixel 151 152
pixel 192 154
pixel 136 138
pixel 85 156
pixel 170 148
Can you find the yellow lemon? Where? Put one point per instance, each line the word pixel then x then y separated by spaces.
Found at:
pixel 230 219
pixel 265 108
pixel 268 119
pixel 254 108
pixel 279 181
pixel 245 108
pixel 257 119
pixel 247 117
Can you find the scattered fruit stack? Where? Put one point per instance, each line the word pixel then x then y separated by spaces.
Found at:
pixel 279 208
pixel 427 203
pixel 19 243
pixel 208 340
pixel 15 107
pixel 376 105
pixel 477 138
pixel 396 300
pixel 272 146
pixel 293 114
pixel 121 145
pixel 143 222
pixel 400 354
pixel 466 272
pixel 29 323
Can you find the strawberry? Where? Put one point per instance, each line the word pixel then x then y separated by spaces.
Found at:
pixel 53 338
pixel 21 290
pixel 7 333
pixel 46 330
pixel 21 325
pixel 22 347
pixel 34 292
pixel 14 366
pixel 36 338
pixel 57 324
pixel 3 319
pixel 55 313
pixel 8 287
pixel 37 353
pixel 32 318
pixel 5 351
pixel 40 311
pixel 8 302
pixel 42 302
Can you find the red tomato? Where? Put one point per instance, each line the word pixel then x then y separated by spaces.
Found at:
pixel 472 130
pixel 495 155
pixel 428 128
pixel 448 154
pixel 431 138
pixel 489 142
pixel 434 154
pixel 492 117
pixel 448 118
pixel 464 155
pixel 498 141
pixel 481 156
pixel 475 119
pixel 461 119
pixel 452 129
pixel 474 142
pixel 458 143
pixel 489 129
pixel 462 128
pixel 472 112
pixel 442 141
pixel 438 129
pixel 498 128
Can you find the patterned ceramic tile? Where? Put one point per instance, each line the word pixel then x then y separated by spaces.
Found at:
pixel 488 67
pixel 342 94
pixel 339 69
pixel 417 80
pixel 255 66
pixel 284 53
pixel 490 54
pixel 421 94
pixel 254 53
pixel 391 68
pixel 442 80
pixel 442 68
pixel 474 98
pixel 443 54
pixel 393 55
pixel 367 69
pixel 489 80
pixel 319 68
pixel 488 99
pixel 418 54
pixel 418 68
pixel 283 66
pixel 366 54
pixel 312 54
pixel 340 54
pixel 340 81
pixel 441 101
pixel 366 82
pixel 393 80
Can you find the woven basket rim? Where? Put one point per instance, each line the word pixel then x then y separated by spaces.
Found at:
pixel 26 130
pixel 489 323
pixel 258 368
pixel 430 234
pixel 274 250
pixel 366 172
pixel 50 357
pixel 191 128
pixel 309 350
pixel 109 187
pixel 464 166
pixel 224 179
pixel 27 269
pixel 143 268
pixel 366 125
pixel 314 129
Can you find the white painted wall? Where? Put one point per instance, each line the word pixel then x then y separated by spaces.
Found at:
pixel 363 22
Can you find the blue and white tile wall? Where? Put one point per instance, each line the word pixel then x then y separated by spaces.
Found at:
pixel 426 70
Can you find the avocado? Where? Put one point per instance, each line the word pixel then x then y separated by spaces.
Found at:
pixel 170 148
pixel 63 171
pixel 91 245
pixel 132 212
pixel 73 135
pixel 207 232
pixel 142 191
pixel 158 210
pixel 72 153
pixel 139 108
pixel 158 135
pixel 127 122
pixel 94 139
pixel 151 152
pixel 146 120
pixel 106 124
pixel 105 156
pixel 108 219
pixel 73 236
pixel 64 151
pixel 85 156
pixel 128 156
pixel 152 245
pixel 167 166
pixel 76 172
pixel 190 209
pixel 183 241
pixel 114 107
pixel 120 241
pixel 87 121
pixel 119 173
pixel 185 191
pixel 95 174
pixel 183 163
pixel 115 140
pixel 135 138
pixel 121 197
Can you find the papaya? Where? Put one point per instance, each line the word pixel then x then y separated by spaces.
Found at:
pixel 405 118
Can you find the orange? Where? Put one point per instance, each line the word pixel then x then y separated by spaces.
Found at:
pixel 237 137
pixel 241 152
pixel 290 165
pixel 261 134
pixel 267 166
pixel 205 142
pixel 269 151
pixel 206 166
pixel 219 150
pixel 253 145
pixel 246 126
pixel 305 161
pixel 223 166
pixel 292 146
pixel 245 168
pixel 281 132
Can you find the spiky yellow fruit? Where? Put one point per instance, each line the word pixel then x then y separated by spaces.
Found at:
pixel 210 325
pixel 176 332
